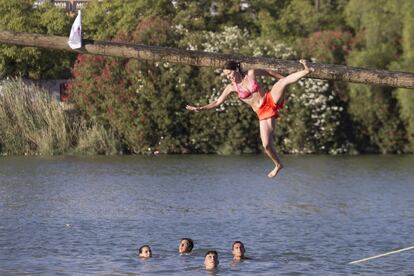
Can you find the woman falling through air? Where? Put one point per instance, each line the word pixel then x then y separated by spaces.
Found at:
pixel 266 104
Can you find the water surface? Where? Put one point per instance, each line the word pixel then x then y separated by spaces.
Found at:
pixel 88 215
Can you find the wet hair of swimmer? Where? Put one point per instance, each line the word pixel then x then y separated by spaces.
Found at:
pixel 237 242
pixel 190 242
pixel 142 247
pixel 214 252
pixel 232 65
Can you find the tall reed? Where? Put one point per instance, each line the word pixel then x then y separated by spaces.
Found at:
pixel 92 138
pixel 34 123
pixel 31 122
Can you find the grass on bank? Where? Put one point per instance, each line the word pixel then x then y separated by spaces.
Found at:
pixel 34 123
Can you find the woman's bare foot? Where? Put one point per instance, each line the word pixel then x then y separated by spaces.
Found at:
pixel 275 171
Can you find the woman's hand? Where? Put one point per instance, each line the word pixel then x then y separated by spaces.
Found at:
pixel 213 104
pixel 193 108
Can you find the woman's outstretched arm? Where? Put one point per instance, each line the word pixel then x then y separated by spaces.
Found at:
pixel 214 104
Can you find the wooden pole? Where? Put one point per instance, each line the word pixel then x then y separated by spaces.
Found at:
pixel 216 60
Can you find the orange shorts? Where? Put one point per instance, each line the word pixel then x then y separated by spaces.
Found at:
pixel 268 109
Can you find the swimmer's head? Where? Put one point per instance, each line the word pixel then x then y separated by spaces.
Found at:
pixel 186 245
pixel 211 260
pixel 238 250
pixel 145 251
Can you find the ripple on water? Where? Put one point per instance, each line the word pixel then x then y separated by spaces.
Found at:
pixel 89 215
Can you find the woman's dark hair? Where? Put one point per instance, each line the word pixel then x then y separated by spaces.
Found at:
pixel 232 65
pixel 142 247
pixel 237 242
pixel 190 242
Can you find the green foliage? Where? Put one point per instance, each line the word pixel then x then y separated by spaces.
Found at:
pixel 375 110
pixel 267 12
pixel 405 97
pixel 378 126
pixel 22 16
pixel 327 46
pixel 210 15
pixel 138 107
pixel 299 18
pixel 136 99
pixel 104 20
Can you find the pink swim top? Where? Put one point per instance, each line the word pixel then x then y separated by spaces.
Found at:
pixel 244 93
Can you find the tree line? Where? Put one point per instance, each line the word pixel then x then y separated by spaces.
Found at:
pixel 139 106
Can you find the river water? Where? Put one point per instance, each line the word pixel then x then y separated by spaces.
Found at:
pixel 88 215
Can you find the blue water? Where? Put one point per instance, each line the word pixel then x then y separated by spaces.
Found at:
pixel 89 215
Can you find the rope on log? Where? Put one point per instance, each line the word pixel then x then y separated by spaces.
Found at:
pixel 215 60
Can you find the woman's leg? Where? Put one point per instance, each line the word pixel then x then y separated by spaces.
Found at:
pixel 266 134
pixel 279 87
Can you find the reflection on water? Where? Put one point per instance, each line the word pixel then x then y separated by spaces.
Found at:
pixel 89 215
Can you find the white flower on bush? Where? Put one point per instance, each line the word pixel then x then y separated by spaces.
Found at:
pixel 318 98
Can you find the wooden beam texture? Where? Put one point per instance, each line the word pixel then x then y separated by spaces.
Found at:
pixel 215 60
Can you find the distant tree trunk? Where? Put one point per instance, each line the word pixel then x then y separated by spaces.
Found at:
pixel 215 60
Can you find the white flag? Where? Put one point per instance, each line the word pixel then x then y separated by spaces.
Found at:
pixel 75 37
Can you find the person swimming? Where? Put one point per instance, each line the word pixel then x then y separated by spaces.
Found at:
pixel 186 246
pixel 238 251
pixel 211 260
pixel 145 251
